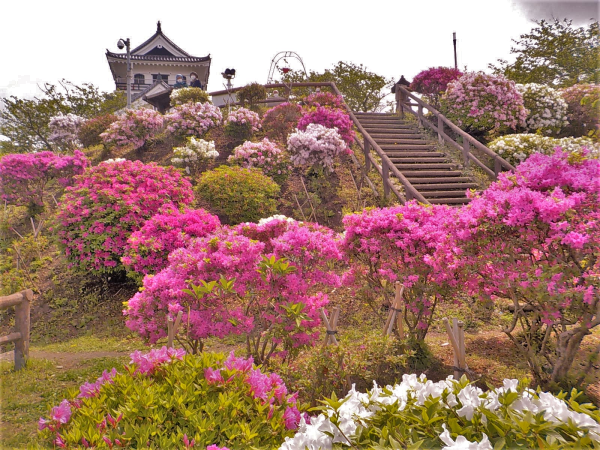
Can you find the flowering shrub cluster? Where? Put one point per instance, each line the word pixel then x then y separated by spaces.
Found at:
pixel 133 128
pixel 547 111
pixel 238 194
pixel 278 122
pixel 582 113
pixel 265 155
pixel 25 178
pixel 108 203
pixel 193 119
pixel 188 95
pixel 242 123
pixel 324 99
pixel 329 118
pixel 64 129
pixel 253 279
pixel 432 83
pixel 194 153
pixel 90 130
pixel 451 415
pixel 478 102
pixel 148 406
pixel 147 249
pixel 516 148
pixel 317 145
pixel 411 244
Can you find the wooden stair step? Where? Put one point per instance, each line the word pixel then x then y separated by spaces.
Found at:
pixel 445 194
pixel 378 136
pixel 414 154
pixel 425 166
pixel 432 173
pixel 414 147
pixel 416 161
pixel 449 201
pixel 441 181
pixel 424 188
pixel 402 141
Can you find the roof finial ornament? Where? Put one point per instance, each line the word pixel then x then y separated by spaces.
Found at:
pixel 158 28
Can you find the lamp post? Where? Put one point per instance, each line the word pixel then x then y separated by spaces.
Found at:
pixel 121 44
pixel 454 40
pixel 229 74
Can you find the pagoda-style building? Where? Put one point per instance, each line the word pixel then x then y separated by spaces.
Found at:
pixel 156 62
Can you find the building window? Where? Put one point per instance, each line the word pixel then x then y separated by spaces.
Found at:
pixel 139 78
pixel 158 76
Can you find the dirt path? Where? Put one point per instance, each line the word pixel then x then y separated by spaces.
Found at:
pixel 65 359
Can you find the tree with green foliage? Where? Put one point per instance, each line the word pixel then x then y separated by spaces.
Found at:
pixel 362 90
pixel 556 54
pixel 25 121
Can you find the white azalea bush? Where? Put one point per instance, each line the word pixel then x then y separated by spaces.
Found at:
pixel 317 145
pixel 193 153
pixel 546 109
pixel 516 148
pixel 451 415
pixel 64 129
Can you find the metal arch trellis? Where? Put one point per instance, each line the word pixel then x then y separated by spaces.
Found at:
pixel 284 55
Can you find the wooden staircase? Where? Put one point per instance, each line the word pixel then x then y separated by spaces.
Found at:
pixel 431 173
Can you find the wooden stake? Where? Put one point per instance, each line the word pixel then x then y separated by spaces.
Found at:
pixel 456 335
pixel 173 328
pixel 330 326
pixel 395 316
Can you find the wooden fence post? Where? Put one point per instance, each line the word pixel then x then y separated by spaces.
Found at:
pixel 395 317
pixel 440 129
pixel 385 171
pixel 22 325
pixel 173 327
pixel 457 339
pixel 466 151
pixel 367 150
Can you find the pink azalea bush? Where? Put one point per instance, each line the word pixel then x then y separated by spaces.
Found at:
pixel 410 244
pixel 147 249
pixel 533 237
pixel 26 178
pixel 242 123
pixel 434 81
pixel 109 202
pixel 330 118
pixel 193 119
pixel 324 99
pixel 64 129
pixel 227 283
pixel 148 406
pixel 133 128
pixel 582 109
pixel 281 120
pixel 265 155
pixel 478 103
pixel 316 146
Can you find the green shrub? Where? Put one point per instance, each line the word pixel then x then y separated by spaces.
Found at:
pixel 90 130
pixel 187 95
pixel 237 194
pixel 251 94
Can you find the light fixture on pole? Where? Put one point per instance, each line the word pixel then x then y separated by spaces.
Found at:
pixel 229 75
pixel 455 60
pixel 122 44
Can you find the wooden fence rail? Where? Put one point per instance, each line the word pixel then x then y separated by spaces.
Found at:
pixel 22 303
pixel 405 105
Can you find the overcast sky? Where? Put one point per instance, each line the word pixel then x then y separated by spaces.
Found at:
pixel 44 41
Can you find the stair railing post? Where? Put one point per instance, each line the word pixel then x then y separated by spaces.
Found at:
pixel 466 151
pixel 367 150
pixel 385 169
pixel 497 167
pixel 440 129
pixel 22 325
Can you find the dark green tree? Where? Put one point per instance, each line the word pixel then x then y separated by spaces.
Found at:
pixel 362 90
pixel 556 54
pixel 25 121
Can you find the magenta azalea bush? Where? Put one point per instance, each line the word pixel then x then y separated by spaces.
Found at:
pixel 265 155
pixel 533 237
pixel 147 249
pixel 432 82
pixel 325 99
pixel 479 103
pixel 329 118
pixel 64 129
pixel 109 202
pixel 411 244
pixel 193 119
pixel 317 146
pixel 281 120
pixel 26 178
pixel 228 283
pixel 147 405
pixel 583 101
pixel 133 128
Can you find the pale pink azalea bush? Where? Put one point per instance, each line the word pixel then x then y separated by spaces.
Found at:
pixel 411 244
pixel 26 178
pixel 265 155
pixel 133 128
pixel 64 129
pixel 281 120
pixel 330 118
pixel 533 237
pixel 193 119
pixel 244 118
pixel 324 99
pixel 317 146
pixel 147 249
pixel 268 290
pixel 479 103
pixel 109 202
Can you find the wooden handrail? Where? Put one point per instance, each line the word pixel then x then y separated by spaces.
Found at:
pixel 21 301
pixel 468 140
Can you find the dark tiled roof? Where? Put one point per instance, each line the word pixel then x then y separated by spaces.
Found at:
pixel 158 57
pixel 159 33
pixel 145 91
